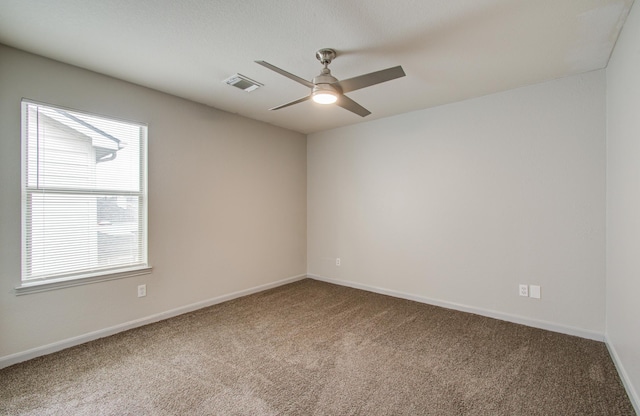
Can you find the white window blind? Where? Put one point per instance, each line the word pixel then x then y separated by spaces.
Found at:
pixel 84 194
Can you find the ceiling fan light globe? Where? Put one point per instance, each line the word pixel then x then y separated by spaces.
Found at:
pixel 325 97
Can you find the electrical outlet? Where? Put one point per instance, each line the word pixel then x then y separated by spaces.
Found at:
pixel 142 291
pixel 524 290
pixel 338 261
pixel 534 291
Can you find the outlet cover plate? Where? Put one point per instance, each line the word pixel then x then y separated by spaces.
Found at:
pixel 524 290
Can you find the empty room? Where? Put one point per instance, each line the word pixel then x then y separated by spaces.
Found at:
pixel 355 207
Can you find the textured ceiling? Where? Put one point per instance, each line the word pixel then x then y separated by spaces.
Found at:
pixel 450 49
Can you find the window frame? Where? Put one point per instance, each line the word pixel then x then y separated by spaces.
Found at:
pixel 39 284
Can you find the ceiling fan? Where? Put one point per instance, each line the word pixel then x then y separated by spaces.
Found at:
pixel 326 89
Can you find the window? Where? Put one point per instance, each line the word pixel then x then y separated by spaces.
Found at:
pixel 84 196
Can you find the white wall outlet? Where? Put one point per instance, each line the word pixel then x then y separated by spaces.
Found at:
pixel 142 291
pixel 338 261
pixel 534 291
pixel 524 290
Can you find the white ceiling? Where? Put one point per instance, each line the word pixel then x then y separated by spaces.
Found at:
pixel 450 49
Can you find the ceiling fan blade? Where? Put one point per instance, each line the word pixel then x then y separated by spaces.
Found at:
pixel 348 104
pixel 286 74
pixel 299 100
pixel 371 78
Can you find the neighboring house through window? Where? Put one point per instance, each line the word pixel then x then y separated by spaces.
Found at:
pixel 84 196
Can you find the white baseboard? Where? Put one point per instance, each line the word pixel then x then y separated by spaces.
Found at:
pixel 70 342
pixel 550 326
pixel 12 359
pixel 626 381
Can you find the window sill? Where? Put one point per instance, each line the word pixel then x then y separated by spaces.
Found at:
pixel 54 284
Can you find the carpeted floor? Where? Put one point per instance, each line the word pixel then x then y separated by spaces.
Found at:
pixel 311 348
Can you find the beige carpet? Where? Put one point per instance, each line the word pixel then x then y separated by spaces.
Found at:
pixel 311 348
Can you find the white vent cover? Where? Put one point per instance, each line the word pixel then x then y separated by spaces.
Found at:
pixel 242 82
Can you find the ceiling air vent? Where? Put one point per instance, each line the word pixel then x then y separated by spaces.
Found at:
pixel 242 82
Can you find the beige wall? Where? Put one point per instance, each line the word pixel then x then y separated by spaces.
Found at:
pixel 623 204
pixel 457 205
pixel 227 204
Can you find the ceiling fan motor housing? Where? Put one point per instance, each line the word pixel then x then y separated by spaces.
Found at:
pixel 325 86
pixel 325 78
